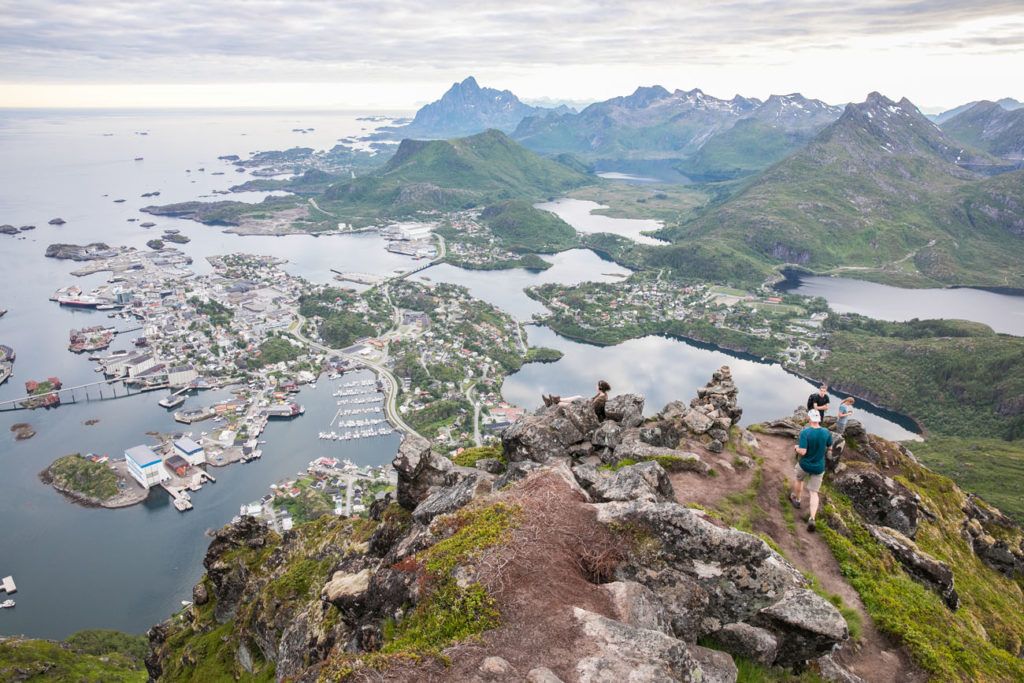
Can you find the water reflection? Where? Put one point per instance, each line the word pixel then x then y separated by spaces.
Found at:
pixel 664 369
pixel 579 214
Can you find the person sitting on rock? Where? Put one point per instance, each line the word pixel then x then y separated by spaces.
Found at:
pixel 815 442
pixel 597 401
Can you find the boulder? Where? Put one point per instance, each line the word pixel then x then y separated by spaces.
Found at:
pixel 620 652
pixel 451 498
pixel 8 230
pixel 548 433
pixel 56 221
pixel 345 591
pixel 420 470
pixel 697 422
pixel 632 448
pixel 542 675
pixel 608 435
pixel 717 666
pixel 879 499
pixel 515 471
pixel 806 626
pixel 706 575
pixel 780 428
pixel 756 644
pixel 490 465
pixel 626 409
pixel 921 566
pixel 643 481
pixel 496 669
pixel 200 596
pixel 831 671
pixel 638 606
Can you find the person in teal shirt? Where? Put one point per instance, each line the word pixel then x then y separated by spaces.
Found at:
pixel 814 444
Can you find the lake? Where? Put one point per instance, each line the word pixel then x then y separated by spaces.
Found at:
pixel 579 213
pixel 1002 312
pixel 665 369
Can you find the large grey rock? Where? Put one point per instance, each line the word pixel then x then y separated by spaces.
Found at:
pixel 549 433
pixel 748 641
pixel 879 499
pixel 785 427
pixel 697 422
pixel 516 471
pixel 490 465
pixel 626 409
pixel 623 653
pixel 633 448
pixel 608 434
pixel 921 566
pixel 420 471
pixel 542 674
pixel 717 666
pixel 722 574
pixel 806 626
pixel 451 498
pixel 345 590
pixel 831 671
pixel 643 481
pixel 638 606
pixel 496 669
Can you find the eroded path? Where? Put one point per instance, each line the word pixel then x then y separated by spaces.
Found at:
pixel 753 499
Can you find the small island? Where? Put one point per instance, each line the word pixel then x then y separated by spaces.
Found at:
pixel 91 482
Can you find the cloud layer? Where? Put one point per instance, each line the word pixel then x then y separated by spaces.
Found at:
pixel 361 41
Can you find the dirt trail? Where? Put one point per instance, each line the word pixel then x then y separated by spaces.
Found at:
pixel 874 657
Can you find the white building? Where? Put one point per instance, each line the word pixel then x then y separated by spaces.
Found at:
pixel 181 375
pixel 146 466
pixel 188 449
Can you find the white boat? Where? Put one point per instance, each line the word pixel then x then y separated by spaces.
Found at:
pixel 7 603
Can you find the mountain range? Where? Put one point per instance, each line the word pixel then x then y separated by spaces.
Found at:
pixel 883 193
pixel 465 109
pixel 990 126
pixel 1007 103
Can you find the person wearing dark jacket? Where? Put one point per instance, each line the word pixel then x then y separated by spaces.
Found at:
pixel 819 401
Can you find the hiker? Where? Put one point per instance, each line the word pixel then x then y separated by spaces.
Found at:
pixel 819 401
pixel 597 401
pixel 845 411
pixel 815 442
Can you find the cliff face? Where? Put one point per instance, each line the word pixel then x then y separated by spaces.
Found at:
pixel 576 561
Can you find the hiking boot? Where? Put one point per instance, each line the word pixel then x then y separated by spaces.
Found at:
pixel 811 525
pixel 795 501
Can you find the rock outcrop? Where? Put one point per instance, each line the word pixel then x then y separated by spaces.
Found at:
pixel 920 565
pixel 879 499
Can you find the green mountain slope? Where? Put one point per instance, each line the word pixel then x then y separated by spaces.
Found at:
pixel 877 194
pixel 521 227
pixel 990 127
pixel 451 174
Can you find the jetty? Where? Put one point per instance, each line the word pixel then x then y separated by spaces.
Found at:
pixel 7 585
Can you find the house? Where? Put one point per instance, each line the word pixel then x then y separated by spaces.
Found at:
pixel 189 450
pixel 145 466
pixel 177 464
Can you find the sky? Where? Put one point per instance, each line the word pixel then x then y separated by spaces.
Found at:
pixel 395 55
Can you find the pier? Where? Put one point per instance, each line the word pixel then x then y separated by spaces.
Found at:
pixel 7 585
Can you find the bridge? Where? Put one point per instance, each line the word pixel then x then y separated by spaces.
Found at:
pixel 82 392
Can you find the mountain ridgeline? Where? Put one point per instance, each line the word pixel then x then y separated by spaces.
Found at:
pixel 883 192
pixel 991 127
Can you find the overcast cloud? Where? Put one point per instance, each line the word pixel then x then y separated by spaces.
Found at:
pixel 397 53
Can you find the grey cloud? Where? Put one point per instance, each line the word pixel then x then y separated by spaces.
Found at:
pixel 271 39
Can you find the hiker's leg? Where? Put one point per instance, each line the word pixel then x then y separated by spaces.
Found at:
pixel 798 488
pixel 813 511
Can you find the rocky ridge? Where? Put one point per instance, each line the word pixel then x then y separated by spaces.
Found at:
pixel 570 561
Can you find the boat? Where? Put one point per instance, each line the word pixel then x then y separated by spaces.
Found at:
pixel 80 301
pixel 7 603
pixel 106 307
pixel 172 401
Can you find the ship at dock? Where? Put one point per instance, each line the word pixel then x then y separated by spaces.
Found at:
pixel 283 411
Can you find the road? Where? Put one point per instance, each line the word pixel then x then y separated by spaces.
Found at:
pixel 476 414
pixel 383 374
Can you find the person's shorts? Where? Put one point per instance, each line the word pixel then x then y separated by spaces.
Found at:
pixel 813 480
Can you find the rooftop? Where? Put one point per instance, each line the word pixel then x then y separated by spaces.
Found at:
pixel 143 456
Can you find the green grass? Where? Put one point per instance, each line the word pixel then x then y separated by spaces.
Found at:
pixel 85 657
pixel 749 671
pixel 988 467
pixel 956 378
pixel 470 456
pixel 979 641
pixel 520 227
pixel 88 478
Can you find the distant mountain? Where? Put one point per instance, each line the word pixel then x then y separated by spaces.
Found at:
pixel 880 193
pixel 650 123
pixel 467 109
pixel 772 131
pixel 991 127
pixel 1007 103
pixel 715 138
pixel 450 174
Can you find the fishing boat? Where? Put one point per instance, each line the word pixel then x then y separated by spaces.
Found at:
pixel 7 603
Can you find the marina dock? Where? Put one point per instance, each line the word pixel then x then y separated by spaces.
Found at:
pixel 7 585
